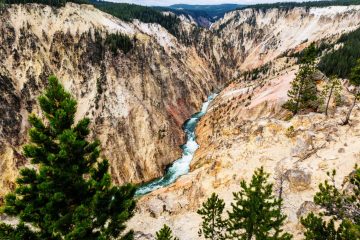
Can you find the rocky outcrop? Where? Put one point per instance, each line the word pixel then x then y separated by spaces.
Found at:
pixel 249 38
pixel 241 133
pixel 306 208
pixel 137 101
pixel 299 180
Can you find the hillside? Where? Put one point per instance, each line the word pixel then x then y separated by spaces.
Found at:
pixel 148 85
pixel 203 15
pixel 246 127
pixel 137 101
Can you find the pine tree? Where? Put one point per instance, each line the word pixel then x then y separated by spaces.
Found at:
pixel 68 193
pixel 339 205
pixel 303 92
pixel 332 88
pixel 256 213
pixel 355 81
pixel 20 232
pixel 213 226
pixel 165 233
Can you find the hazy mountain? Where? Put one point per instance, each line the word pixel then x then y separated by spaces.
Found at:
pixel 203 15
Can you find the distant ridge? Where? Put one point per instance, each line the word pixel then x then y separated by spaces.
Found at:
pixel 203 15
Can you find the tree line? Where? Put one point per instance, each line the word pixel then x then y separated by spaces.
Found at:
pixel 340 61
pixel 129 12
pixel 55 3
pixel 123 11
pixel 307 4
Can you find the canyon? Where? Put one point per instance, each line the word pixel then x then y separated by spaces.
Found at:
pixel 139 101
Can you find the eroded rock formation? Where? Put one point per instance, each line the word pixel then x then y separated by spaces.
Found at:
pixel 137 101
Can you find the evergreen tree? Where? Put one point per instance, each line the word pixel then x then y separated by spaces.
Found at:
pixel 303 92
pixel 355 81
pixel 342 205
pixel 129 12
pixel 68 193
pixel 256 213
pixel 213 226
pixel 332 88
pixel 20 232
pixel 165 233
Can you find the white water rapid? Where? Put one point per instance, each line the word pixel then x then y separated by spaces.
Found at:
pixel 182 165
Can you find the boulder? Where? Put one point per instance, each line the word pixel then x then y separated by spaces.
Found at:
pixel 299 180
pixel 306 208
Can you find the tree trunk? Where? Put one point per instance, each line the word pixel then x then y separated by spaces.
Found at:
pixel 298 101
pixel 350 110
pixel 328 101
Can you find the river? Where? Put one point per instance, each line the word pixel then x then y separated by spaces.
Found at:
pixel 182 165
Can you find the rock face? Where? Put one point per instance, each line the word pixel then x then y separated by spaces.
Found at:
pixel 137 101
pixel 251 38
pixel 241 133
pixel 306 208
pixel 299 180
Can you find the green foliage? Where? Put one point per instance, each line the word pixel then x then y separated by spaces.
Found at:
pixel 165 233
pixel 355 74
pixel 55 3
pixel 318 229
pixel 341 205
pixel 290 132
pixel 256 212
pixel 213 226
pixel 340 62
pixel 116 41
pixel 331 89
pixel 355 81
pixel 68 195
pixel 20 232
pixel 303 92
pixel 129 12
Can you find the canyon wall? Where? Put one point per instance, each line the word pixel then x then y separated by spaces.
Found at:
pixel 249 38
pixel 246 127
pixel 137 101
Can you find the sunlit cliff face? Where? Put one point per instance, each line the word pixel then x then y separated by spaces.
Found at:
pixel 139 101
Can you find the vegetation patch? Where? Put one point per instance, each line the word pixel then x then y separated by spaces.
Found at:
pixel 340 61
pixel 119 41
pixel 129 12
pixel 55 3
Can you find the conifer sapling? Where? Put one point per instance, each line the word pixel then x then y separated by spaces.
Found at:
pixel 213 226
pixel 165 233
pixel 256 212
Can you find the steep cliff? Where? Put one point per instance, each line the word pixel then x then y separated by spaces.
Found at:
pixel 137 101
pixel 246 127
pixel 249 38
